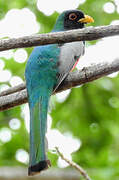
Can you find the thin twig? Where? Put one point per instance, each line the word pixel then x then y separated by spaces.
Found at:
pixel 74 165
pixel 85 34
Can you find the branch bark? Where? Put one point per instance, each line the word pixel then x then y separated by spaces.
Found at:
pixel 13 89
pixel 15 96
pixel 89 33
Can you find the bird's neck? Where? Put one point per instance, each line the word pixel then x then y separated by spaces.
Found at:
pixel 59 26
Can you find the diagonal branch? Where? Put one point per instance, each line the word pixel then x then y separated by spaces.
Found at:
pixel 74 165
pixel 15 96
pixel 89 33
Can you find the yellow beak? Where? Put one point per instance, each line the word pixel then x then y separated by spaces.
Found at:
pixel 86 19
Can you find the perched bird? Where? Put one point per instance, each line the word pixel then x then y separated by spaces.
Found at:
pixel 47 67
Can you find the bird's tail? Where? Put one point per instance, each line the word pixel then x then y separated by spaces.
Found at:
pixel 38 126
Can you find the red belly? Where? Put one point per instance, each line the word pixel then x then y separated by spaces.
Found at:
pixel 74 65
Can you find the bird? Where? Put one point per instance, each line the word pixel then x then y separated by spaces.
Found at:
pixel 46 68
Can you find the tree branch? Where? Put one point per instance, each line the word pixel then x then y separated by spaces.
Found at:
pixel 13 89
pixel 89 33
pixel 20 173
pixel 15 96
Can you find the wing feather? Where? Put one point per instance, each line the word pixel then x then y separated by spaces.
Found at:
pixel 69 54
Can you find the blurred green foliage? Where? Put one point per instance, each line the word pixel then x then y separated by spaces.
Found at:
pixel 90 112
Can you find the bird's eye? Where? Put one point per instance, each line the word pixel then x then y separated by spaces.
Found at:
pixel 72 16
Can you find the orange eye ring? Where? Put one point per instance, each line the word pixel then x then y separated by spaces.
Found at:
pixel 72 16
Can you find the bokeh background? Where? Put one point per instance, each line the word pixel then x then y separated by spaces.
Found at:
pixel 82 122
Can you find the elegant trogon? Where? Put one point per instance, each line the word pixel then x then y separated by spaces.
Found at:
pixel 47 67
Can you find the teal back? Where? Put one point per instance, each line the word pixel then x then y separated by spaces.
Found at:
pixel 41 71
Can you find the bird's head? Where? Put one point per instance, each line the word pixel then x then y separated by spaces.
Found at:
pixel 72 19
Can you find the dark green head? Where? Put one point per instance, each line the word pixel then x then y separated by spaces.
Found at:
pixel 71 19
